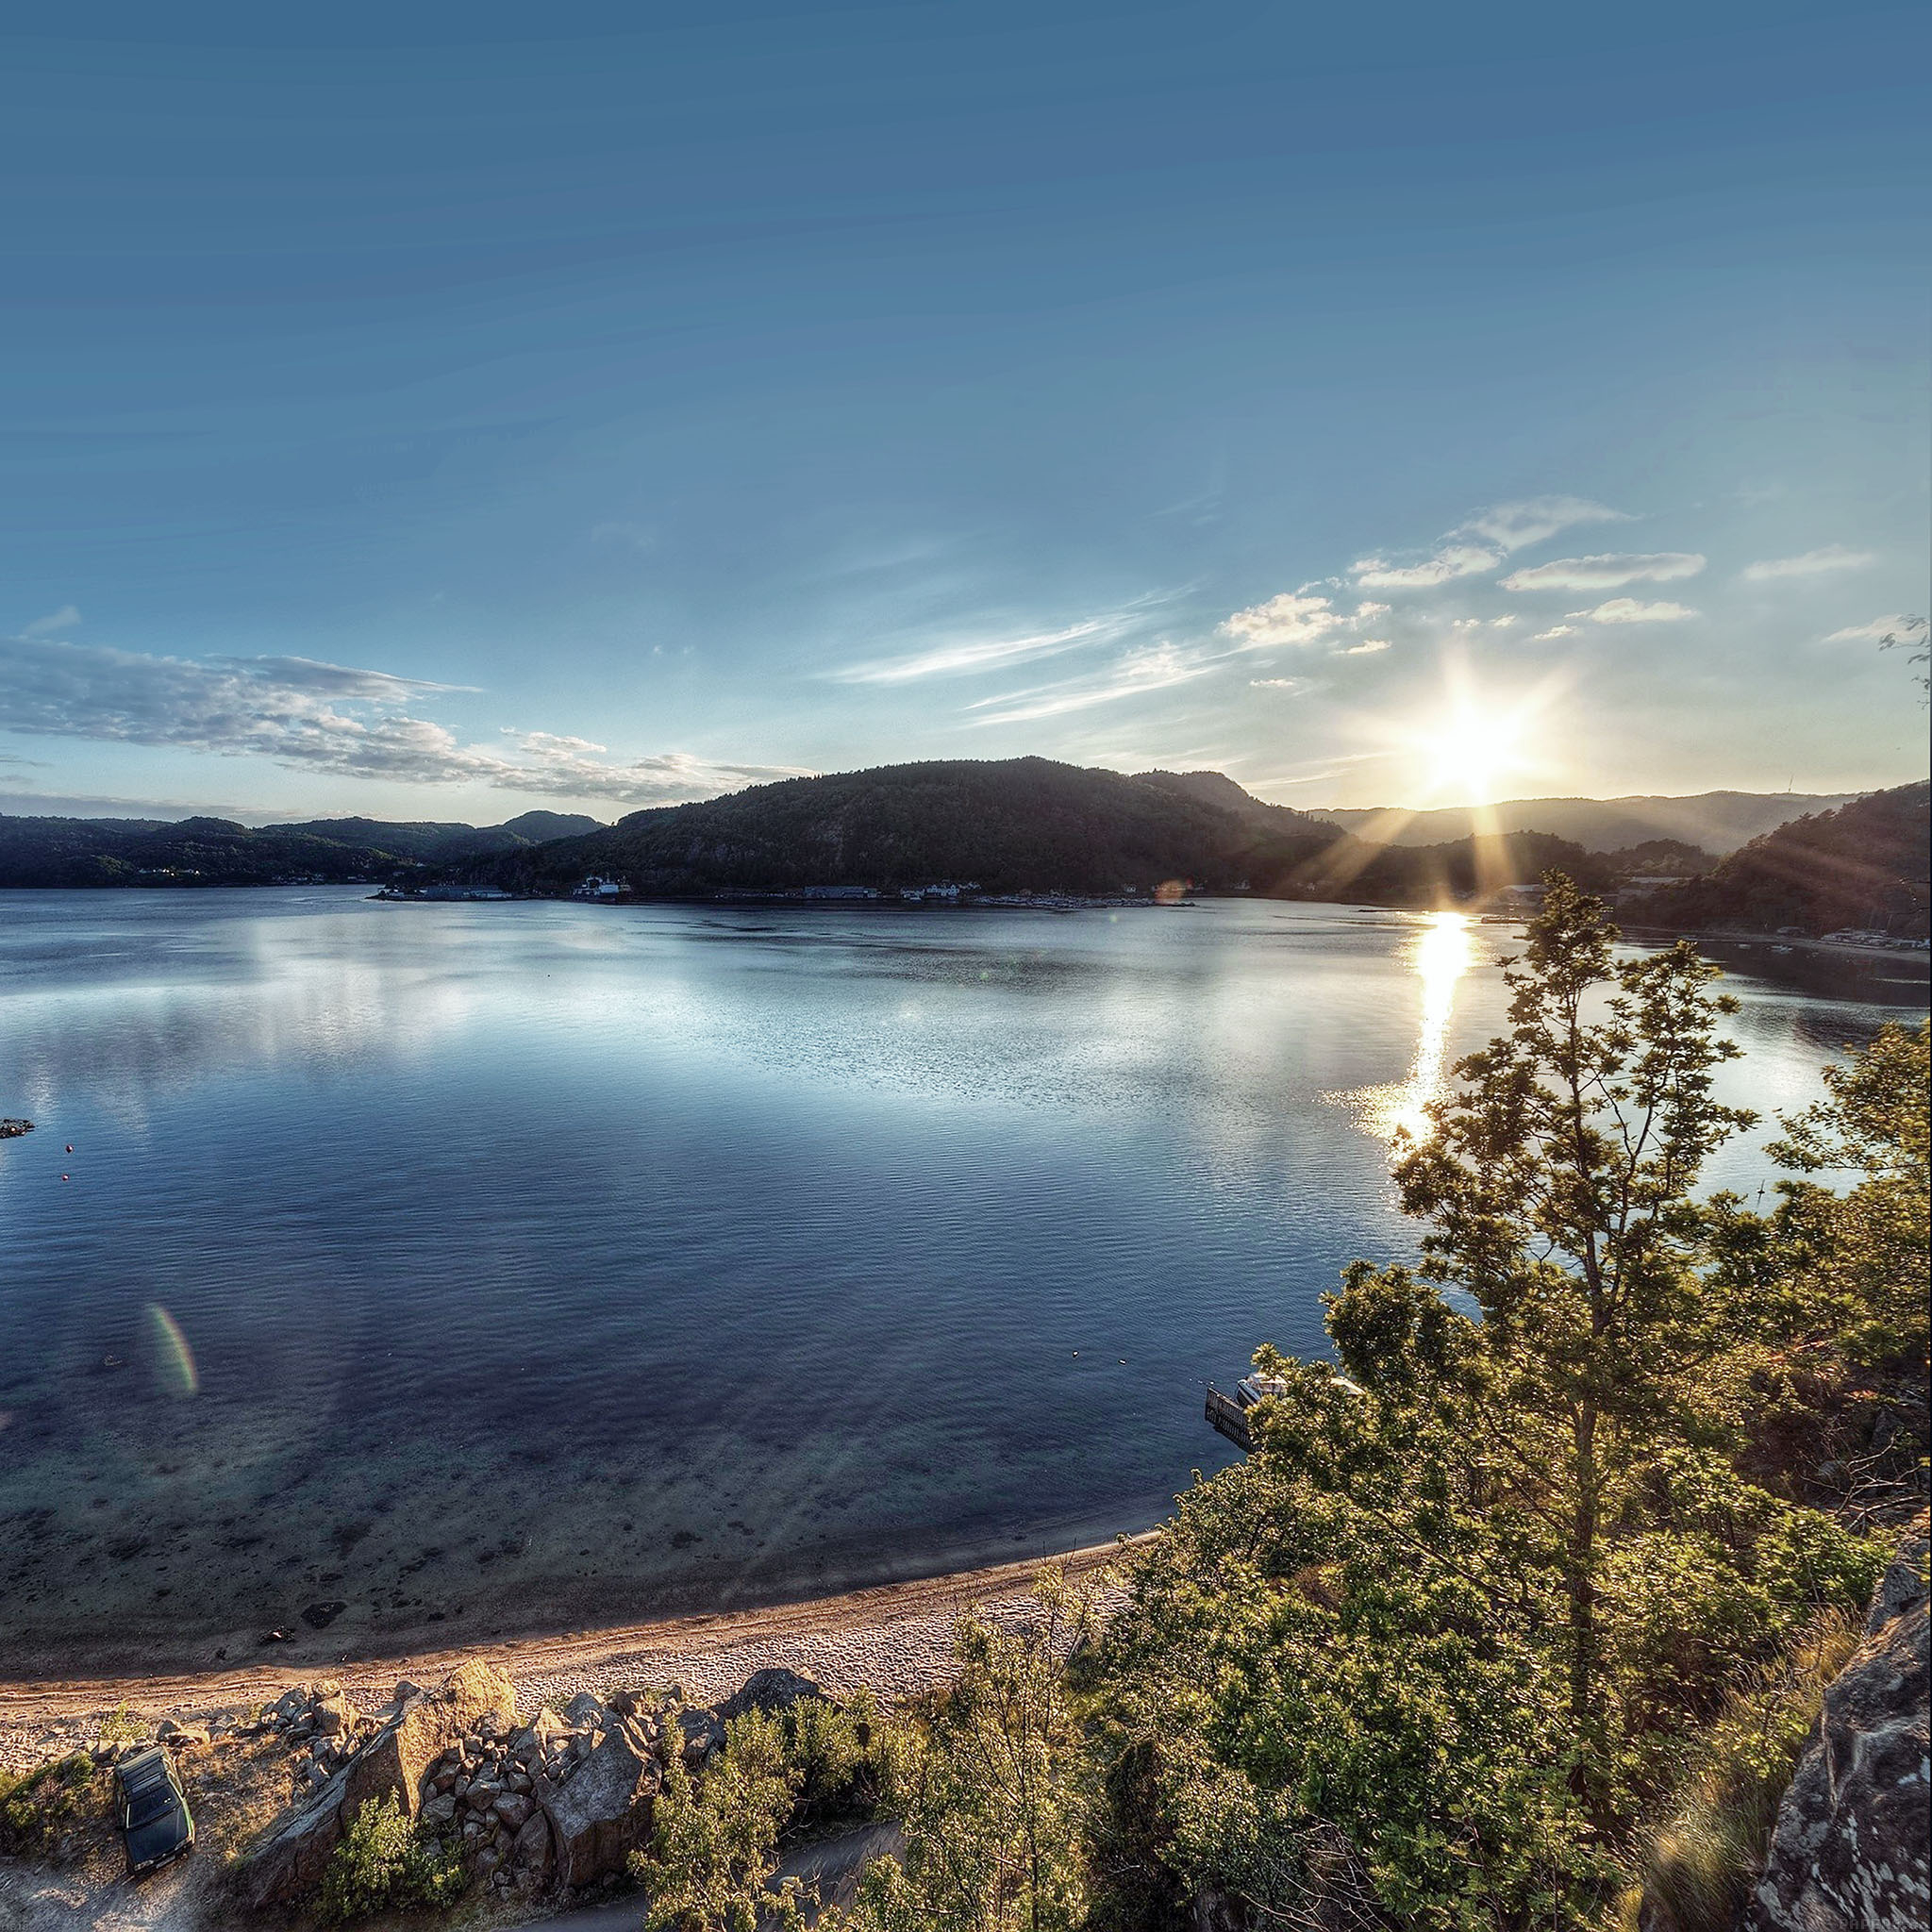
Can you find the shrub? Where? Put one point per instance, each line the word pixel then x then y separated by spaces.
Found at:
pixel 382 1864
pixel 35 1805
pixel 120 1728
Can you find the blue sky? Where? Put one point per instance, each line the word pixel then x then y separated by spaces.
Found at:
pixel 437 412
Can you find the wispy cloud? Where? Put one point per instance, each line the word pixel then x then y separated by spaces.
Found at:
pixel 1555 631
pixel 1295 687
pixel 1295 619
pixel 316 716
pixel 961 658
pixel 1486 539
pixel 1367 648
pixel 1630 610
pixel 1874 632
pixel 63 619
pixel 1156 668
pixel 1814 563
pixel 1605 573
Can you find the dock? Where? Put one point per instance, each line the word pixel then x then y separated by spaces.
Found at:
pixel 1228 1418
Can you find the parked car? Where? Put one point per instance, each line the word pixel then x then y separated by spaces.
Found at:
pixel 152 1810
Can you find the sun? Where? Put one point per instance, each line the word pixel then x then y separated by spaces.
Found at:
pixel 1474 753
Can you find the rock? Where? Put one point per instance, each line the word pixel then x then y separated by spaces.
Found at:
pixel 333 1715
pixel 406 1689
pixel 181 1737
pixel 1850 1851
pixel 704 1736
pixel 772 1691
pixel 539 1739
pixel 513 1809
pixel 396 1758
pixel 483 1795
pixel 285 1864
pixel 583 1711
pixel 603 1812
pixel 289 1705
pixel 440 1810
pixel 532 1848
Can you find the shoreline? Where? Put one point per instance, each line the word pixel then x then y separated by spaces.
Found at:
pixel 892 1638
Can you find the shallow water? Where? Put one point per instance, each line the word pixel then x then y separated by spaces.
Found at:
pixel 529 1264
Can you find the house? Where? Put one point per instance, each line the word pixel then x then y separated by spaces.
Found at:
pixel 596 887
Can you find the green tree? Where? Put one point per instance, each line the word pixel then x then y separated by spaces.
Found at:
pixel 992 1790
pixel 1432 1652
pixel 383 1864
pixel 714 1843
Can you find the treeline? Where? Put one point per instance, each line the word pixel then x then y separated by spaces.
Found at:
pixel 1865 865
pixel 1519 1613
pixel 61 852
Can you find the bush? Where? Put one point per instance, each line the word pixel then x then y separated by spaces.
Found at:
pixel 34 1807
pixel 382 1864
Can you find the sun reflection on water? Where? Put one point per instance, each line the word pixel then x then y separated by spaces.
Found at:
pixel 1440 952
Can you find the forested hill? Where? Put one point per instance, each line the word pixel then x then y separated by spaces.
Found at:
pixel 218 851
pixel 1005 825
pixel 1864 865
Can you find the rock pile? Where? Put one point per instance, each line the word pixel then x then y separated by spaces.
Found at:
pixel 319 1716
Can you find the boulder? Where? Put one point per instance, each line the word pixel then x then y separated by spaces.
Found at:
pixel 514 1809
pixel 286 1863
pixel 333 1715
pixel 1850 1851
pixel 396 1758
pixel 704 1736
pixel 602 1812
pixel 181 1737
pixel 532 1848
pixel 539 1739
pixel 773 1693
pixel 584 1711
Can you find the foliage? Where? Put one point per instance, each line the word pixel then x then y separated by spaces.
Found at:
pixel 384 1864
pixel 119 1729
pixel 37 1805
pixel 1436 1652
pixel 715 1841
pixel 992 1790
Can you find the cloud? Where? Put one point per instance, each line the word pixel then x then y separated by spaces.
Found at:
pixel 1605 573
pixel 1367 648
pixel 955 661
pixel 1295 687
pixel 1874 632
pixel 1296 619
pixel 1629 610
pixel 1814 563
pixel 313 716
pixel 1139 672
pixel 1557 630
pixel 1486 539
pixel 63 619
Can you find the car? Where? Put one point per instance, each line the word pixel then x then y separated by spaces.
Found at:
pixel 152 1810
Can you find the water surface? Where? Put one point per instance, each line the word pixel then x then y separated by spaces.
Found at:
pixel 525 1265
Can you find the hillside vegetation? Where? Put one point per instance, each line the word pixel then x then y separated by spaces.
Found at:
pixel 1864 865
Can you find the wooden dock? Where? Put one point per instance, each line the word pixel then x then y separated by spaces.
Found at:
pixel 1228 1418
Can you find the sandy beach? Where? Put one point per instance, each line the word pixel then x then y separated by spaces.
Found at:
pixel 893 1641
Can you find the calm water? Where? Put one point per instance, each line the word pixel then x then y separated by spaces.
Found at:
pixel 537 1263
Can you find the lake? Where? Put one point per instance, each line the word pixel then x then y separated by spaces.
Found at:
pixel 441 1271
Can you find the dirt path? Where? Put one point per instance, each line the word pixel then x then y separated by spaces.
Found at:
pixel 893 1640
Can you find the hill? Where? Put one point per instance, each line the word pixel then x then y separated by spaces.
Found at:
pixel 1717 821
pixel 1009 825
pixel 1864 865
pixel 57 852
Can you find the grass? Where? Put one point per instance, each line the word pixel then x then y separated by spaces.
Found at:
pixel 1703 1858
pixel 38 1805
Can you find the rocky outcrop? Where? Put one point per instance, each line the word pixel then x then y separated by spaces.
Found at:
pixel 286 1863
pixel 600 1811
pixel 422 1728
pixel 773 1693
pixel 1849 1853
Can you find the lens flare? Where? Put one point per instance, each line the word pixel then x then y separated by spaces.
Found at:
pixel 169 1355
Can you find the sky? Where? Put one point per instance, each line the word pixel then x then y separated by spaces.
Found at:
pixel 439 412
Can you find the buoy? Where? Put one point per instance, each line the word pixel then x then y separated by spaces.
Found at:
pixel 69 1147
pixel 63 1177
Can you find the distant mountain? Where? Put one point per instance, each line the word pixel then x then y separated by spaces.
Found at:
pixel 218 851
pixel 1864 865
pixel 1007 824
pixel 1717 821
